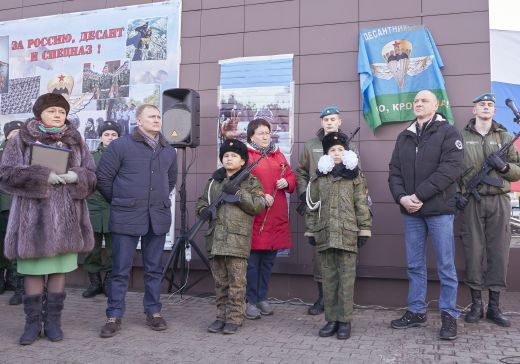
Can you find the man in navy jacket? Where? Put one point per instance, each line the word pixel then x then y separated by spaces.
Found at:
pixel 136 175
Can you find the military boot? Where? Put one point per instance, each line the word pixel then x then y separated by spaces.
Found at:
pixel 10 284
pixel 318 307
pixel 16 298
pixel 32 306
pixel 493 312
pixel 2 281
pixel 52 316
pixel 95 285
pixel 477 310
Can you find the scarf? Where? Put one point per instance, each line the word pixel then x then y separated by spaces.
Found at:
pixel 151 142
pixel 51 129
pixel 269 149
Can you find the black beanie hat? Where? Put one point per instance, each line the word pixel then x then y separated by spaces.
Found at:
pixel 12 125
pixel 235 146
pixel 332 139
pixel 109 125
pixel 48 100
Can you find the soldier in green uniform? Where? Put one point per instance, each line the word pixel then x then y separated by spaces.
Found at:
pixel 312 151
pixel 343 224
pixel 123 81
pixel 13 280
pixel 485 231
pixel 97 262
pixel 228 239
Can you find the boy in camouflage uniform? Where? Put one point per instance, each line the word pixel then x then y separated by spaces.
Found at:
pixel 339 196
pixel 228 239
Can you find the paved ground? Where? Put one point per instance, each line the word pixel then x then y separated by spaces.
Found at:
pixel 289 336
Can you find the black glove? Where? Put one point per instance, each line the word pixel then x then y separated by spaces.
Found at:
pixel 497 163
pixel 230 189
pixel 361 240
pixel 303 197
pixel 301 208
pixel 460 201
pixel 312 241
pixel 205 214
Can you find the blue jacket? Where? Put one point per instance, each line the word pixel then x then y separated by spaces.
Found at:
pixel 137 182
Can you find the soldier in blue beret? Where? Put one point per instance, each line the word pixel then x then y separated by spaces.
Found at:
pixel 486 241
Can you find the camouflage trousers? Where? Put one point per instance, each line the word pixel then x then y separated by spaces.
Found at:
pixel 338 268
pixel 96 261
pixel 229 274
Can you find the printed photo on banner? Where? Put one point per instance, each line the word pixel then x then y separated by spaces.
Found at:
pixel 106 80
pixel 4 64
pixel 146 39
pixel 394 63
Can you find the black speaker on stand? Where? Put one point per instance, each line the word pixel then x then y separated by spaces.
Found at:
pixel 181 128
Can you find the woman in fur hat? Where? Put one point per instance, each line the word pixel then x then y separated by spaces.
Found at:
pixel 49 222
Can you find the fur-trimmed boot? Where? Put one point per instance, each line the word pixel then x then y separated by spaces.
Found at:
pixel 52 316
pixel 32 306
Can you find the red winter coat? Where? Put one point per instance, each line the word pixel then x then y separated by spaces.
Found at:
pixel 276 233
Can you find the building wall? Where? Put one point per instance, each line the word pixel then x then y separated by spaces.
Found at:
pixel 323 36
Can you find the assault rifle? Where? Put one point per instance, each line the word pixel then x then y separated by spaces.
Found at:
pixel 300 209
pixel 482 177
pixel 223 197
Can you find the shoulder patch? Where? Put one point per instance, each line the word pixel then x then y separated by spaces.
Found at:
pixel 458 144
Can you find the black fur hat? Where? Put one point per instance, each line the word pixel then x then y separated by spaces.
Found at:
pixel 48 100
pixel 332 139
pixel 235 146
pixel 109 125
pixel 12 125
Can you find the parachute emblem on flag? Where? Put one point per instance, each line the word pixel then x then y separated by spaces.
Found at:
pixel 398 63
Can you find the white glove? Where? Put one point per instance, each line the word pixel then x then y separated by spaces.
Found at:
pixel 325 164
pixel 54 179
pixel 69 177
pixel 350 159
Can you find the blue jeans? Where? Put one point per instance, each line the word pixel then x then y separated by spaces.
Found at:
pixel 123 250
pixel 259 267
pixel 440 229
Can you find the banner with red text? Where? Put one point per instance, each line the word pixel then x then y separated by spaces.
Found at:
pixel 106 62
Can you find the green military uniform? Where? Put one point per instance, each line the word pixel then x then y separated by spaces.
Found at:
pixel 312 151
pixel 485 230
pixel 228 243
pixel 123 82
pixel 99 210
pixel 105 85
pixel 342 216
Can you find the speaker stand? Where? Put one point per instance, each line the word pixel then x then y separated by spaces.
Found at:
pixel 178 263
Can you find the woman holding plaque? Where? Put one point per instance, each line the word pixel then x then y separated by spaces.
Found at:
pixel 49 221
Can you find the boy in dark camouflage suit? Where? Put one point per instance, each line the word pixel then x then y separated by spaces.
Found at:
pixel 228 239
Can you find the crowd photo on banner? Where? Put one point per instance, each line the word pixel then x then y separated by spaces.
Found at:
pixel 88 176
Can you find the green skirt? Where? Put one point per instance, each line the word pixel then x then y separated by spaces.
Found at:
pixel 63 263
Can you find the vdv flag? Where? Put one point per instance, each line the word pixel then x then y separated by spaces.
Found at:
pixel 394 63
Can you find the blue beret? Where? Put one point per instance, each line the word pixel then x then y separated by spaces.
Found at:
pixel 329 111
pixel 485 97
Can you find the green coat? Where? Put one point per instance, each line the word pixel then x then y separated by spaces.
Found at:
pixel 343 215
pixel 478 147
pixel 307 165
pixel 230 233
pixel 98 207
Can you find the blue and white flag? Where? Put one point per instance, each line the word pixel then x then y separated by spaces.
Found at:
pixel 394 63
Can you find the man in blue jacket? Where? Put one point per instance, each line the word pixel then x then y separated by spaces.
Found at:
pixel 426 162
pixel 136 175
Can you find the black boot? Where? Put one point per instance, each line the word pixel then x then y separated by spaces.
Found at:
pixel 32 306
pixel 329 329
pixel 106 283
pixel 2 281
pixel 95 285
pixel 493 312
pixel 343 332
pixel 318 307
pixel 477 310
pixel 16 298
pixel 52 316
pixel 10 283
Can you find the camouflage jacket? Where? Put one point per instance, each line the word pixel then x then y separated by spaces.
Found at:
pixel 230 233
pixel 307 165
pixel 98 207
pixel 343 215
pixel 478 147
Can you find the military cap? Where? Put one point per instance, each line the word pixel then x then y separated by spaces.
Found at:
pixel 485 97
pixel 329 110
pixel 12 125
pixel 332 139
pixel 235 146
pixel 109 125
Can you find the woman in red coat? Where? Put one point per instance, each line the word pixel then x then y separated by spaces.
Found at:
pixel 271 231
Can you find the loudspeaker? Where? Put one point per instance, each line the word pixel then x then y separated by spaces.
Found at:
pixel 181 117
